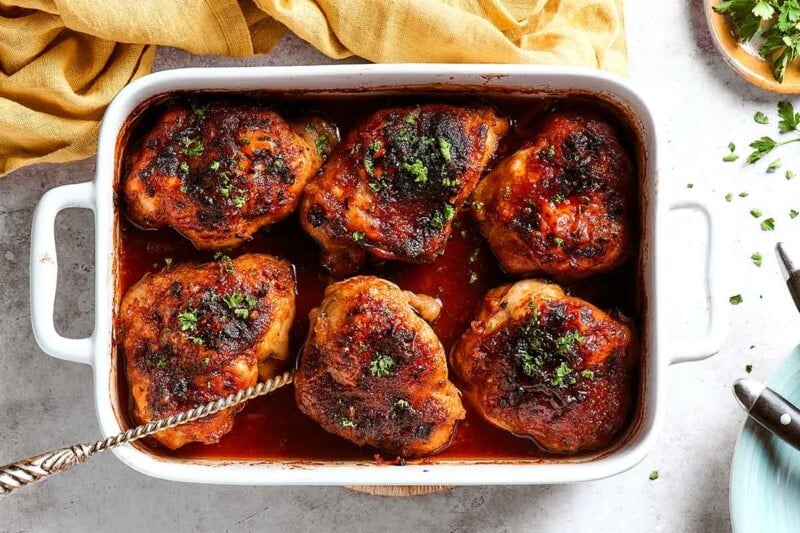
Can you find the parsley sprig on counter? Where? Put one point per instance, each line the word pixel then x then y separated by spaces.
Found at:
pixel 788 123
pixel 775 22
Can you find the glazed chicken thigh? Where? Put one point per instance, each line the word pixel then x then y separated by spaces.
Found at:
pixel 542 364
pixel 373 371
pixel 219 173
pixel 195 333
pixel 393 186
pixel 562 205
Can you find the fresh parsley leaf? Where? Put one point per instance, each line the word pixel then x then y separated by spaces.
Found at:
pixel 731 147
pixel 188 320
pixel 761 147
pixel 793 213
pixel 748 368
pixel 761 118
pixel 588 374
pixel 214 165
pixel 239 201
pixel 775 165
pixel 346 422
pixel 744 194
pixel 184 167
pixel 563 376
pixel 321 144
pixel 730 158
pixel 381 366
pixel 191 146
pixel 789 120
pixel 358 236
pixel 768 224
pixel 233 300
pixel 756 258
pixel 729 197
pixel 241 313
pixel 756 213
pixel 736 299
pixel 654 475
pixel 444 148
pixel 789 174
pixel 417 169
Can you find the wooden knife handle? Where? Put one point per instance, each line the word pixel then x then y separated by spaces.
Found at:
pixel 778 415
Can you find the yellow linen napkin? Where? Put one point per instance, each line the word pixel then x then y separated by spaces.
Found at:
pixel 62 61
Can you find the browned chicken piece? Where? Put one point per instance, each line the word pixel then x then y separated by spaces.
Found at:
pixel 219 173
pixel 374 372
pixel 195 333
pixel 563 204
pixel 542 364
pixel 392 188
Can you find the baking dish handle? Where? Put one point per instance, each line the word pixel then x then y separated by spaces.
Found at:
pixel 44 272
pixel 709 343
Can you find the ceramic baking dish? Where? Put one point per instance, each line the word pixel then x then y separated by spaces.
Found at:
pixel 534 81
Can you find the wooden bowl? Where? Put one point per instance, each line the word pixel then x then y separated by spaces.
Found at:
pixel 743 58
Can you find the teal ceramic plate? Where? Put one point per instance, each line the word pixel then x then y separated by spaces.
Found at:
pixel 765 474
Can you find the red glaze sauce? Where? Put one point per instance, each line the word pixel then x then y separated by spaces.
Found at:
pixel 272 427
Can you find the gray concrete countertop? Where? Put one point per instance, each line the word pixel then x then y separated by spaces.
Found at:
pixel 701 106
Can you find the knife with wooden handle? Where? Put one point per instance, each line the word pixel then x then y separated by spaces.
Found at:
pixel 770 409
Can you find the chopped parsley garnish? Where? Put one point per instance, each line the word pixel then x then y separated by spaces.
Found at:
pixel 748 368
pixel 375 146
pixel 214 165
pixel 400 404
pixel 207 360
pixel 369 166
pixel 444 148
pixel 239 201
pixel 418 170
pixel 731 147
pixel 346 422
pixel 775 165
pixel 198 111
pixel 756 258
pixel 558 198
pixel 449 211
pixel 245 141
pixel 793 213
pixel 188 320
pixel 566 342
pixel 198 341
pixel 219 256
pixel 410 119
pixel 251 301
pixel 690 185
pixel 551 152
pixel 184 167
pixel 233 300
pixel 168 262
pixel 789 174
pixel 768 224
pixel 358 236
pixel 588 374
pixel 375 186
pixel 728 197
pixel 563 376
pixel 744 194
pixel 761 118
pixel 473 277
pixel 381 366
pixel 450 182
pixel 789 120
pixel 162 362
pixel 729 158
pixel 654 475
pixel 756 213
pixel 191 147
pixel 736 299
pixel 241 313
pixel 321 143
pixel 559 241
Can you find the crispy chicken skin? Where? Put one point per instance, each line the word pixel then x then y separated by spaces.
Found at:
pixel 195 333
pixel 373 371
pixel 392 188
pixel 542 364
pixel 562 204
pixel 219 173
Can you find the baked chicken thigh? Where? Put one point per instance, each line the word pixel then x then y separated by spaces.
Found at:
pixel 373 371
pixel 393 186
pixel 562 205
pixel 195 333
pixel 219 173
pixel 542 364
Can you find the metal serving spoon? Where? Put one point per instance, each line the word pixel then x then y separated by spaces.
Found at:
pixel 14 476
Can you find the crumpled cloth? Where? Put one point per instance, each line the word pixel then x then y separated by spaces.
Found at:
pixel 62 61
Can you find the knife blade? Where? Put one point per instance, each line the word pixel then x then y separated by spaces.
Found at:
pixel 770 409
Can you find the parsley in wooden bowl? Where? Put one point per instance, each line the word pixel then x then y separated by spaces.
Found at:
pixel 760 40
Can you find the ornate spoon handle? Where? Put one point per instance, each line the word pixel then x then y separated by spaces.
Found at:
pixel 17 475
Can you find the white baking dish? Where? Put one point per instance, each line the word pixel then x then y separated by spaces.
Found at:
pixel 99 351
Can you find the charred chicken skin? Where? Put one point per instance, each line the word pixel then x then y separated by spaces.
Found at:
pixel 372 370
pixel 552 367
pixel 562 205
pixel 392 188
pixel 219 173
pixel 195 333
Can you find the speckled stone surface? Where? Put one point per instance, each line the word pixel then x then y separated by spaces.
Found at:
pixel 701 106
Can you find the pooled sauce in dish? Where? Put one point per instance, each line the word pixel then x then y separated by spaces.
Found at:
pixel 272 427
